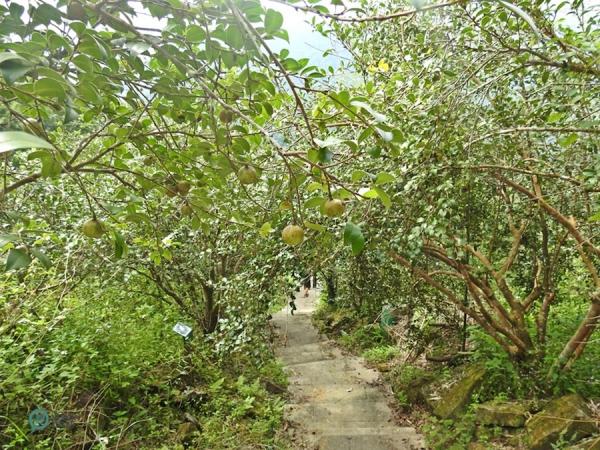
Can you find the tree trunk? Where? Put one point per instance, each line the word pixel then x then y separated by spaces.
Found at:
pixel 211 310
pixel 574 348
pixel 331 290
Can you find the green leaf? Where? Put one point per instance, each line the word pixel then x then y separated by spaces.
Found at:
pixel 50 167
pixel 13 140
pixel 325 155
pixel 353 236
pixel 6 238
pixel 376 115
pixel 120 245
pixel 358 175
pixel 384 177
pixel 383 196
pixel 42 258
pixel 314 202
pixel 138 218
pixel 48 87
pixel 371 193
pixel 273 21
pixel 593 218
pixel 554 117
pixel 265 229
pixel 195 34
pixel 568 140
pixel 17 259
pixel 314 226
pixel 13 67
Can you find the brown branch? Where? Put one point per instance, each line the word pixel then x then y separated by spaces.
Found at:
pixel 378 18
pixel 573 67
pixel 569 223
pixel 250 29
pixel 536 130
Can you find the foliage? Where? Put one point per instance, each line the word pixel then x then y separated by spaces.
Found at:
pixel 109 365
pixel 381 354
pixel 450 434
pixel 463 143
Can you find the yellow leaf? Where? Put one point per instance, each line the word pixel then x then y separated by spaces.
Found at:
pixel 383 66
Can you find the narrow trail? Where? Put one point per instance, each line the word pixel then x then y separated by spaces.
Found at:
pixel 336 403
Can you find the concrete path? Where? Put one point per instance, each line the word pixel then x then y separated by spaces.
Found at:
pixel 336 403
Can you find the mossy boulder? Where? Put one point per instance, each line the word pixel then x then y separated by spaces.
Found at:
pixel 563 418
pixel 455 399
pixel 412 381
pixel 185 432
pixel 504 414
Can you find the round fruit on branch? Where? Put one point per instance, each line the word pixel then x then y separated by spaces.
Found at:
pixel 93 228
pixel 226 116
pixel 334 207
pixel 183 187
pixel 248 175
pixel 292 235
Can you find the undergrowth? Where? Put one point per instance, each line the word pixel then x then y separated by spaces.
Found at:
pixel 113 373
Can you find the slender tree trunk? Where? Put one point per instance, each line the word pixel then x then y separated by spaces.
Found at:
pixel 211 310
pixel 574 348
pixel 331 290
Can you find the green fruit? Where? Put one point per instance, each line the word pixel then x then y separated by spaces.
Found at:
pixel 183 187
pixel 334 208
pixel 93 229
pixel 171 190
pixel 186 210
pixel 76 11
pixel 292 235
pixel 248 175
pixel 226 116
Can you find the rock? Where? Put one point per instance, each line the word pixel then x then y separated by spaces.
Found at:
pixel 454 400
pixel 185 431
pixel 587 444
pixel 518 440
pixel 274 388
pixel 563 418
pixel 504 414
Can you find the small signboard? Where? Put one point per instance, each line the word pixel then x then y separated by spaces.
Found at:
pixel 183 330
pixel 39 419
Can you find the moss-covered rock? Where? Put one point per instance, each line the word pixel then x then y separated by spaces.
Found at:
pixel 411 380
pixel 504 414
pixel 587 444
pixel 185 432
pixel 455 399
pixel 563 418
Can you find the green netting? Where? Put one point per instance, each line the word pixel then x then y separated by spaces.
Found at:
pixel 387 318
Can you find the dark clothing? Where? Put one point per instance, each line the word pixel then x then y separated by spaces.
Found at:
pixel 306 282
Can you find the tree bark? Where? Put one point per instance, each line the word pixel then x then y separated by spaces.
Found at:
pixel 574 348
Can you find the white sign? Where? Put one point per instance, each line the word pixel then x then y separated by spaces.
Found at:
pixel 182 330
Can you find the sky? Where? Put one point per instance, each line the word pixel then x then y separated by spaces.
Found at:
pixel 305 42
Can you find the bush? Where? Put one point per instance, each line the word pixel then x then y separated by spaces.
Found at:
pixel 381 354
pixel 365 337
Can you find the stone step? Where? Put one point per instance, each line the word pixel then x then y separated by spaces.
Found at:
pixel 407 441
pixel 348 414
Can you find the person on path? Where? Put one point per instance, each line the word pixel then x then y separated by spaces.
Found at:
pixel 291 293
pixel 306 284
